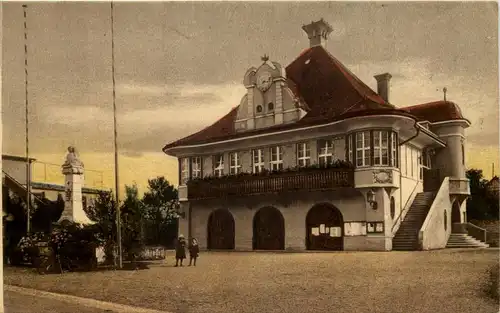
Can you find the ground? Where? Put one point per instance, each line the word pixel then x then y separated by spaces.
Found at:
pixel 18 303
pixel 384 282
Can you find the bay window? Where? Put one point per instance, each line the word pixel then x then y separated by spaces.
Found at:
pixel 196 167
pixel 372 148
pixel 184 171
pixel 303 154
pixel 234 163
pixel 394 146
pixel 363 149
pixel 218 162
pixel 325 152
pixel 380 148
pixel 276 158
pixel 258 160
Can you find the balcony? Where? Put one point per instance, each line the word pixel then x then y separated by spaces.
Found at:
pixel 459 186
pixel 249 185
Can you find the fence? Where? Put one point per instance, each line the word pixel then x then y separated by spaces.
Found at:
pixel 51 173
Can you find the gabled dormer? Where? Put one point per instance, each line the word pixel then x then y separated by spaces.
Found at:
pixel 269 101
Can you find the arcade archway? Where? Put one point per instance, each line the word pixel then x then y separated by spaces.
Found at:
pixel 325 228
pixel 220 230
pixel 268 229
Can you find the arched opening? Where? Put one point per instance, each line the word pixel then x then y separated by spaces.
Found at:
pixel 393 207
pixel 268 229
pixel 220 230
pixel 455 213
pixel 325 228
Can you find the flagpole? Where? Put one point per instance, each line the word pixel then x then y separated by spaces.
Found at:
pixel 117 185
pixel 28 165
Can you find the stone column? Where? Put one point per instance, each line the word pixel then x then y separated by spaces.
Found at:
pixel 73 170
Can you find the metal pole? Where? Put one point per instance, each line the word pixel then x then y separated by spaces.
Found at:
pixel 28 163
pixel 117 185
pixel 1 190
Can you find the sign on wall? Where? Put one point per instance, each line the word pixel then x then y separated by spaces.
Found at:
pixel 355 228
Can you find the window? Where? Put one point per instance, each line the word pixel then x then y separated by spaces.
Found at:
pixel 303 154
pixel 463 154
pixel 412 161
pixel 375 227
pixel 394 147
pixel 363 144
pixel 380 148
pixel 408 161
pixel 376 147
pixel 259 108
pixel 184 171
pixel 349 149
pixel 218 165
pixel 234 163
pixel 325 152
pixel 270 106
pixel 419 165
pixel 196 167
pixel 258 160
pixel 276 158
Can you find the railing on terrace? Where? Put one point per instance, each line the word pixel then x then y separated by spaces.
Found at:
pixel 309 180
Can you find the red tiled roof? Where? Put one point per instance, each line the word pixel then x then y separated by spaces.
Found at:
pixel 331 92
pixel 436 111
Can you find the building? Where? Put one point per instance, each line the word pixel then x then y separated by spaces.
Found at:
pixel 14 179
pixel 493 186
pixel 312 158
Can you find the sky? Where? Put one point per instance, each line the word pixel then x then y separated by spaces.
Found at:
pixel 179 66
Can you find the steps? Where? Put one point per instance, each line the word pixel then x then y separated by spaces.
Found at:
pixel 464 241
pixel 406 238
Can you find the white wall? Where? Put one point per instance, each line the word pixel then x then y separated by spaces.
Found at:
pixel 410 174
pixel 16 169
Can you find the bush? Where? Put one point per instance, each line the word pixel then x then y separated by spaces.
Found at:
pixel 73 247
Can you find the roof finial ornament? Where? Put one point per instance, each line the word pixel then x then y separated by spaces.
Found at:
pixel 444 92
pixel 265 58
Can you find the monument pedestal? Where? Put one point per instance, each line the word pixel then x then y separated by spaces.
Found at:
pixel 73 203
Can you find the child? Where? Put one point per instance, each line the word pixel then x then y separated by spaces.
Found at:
pixel 180 250
pixel 193 251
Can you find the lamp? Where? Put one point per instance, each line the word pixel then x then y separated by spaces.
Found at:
pixel 370 198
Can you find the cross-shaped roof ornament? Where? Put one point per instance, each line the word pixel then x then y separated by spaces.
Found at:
pixel 265 58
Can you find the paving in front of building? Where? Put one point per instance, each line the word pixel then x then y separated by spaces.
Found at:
pixel 445 281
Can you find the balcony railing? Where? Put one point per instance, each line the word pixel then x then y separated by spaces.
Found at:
pixel 309 180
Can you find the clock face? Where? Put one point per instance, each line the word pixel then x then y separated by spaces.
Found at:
pixel 264 81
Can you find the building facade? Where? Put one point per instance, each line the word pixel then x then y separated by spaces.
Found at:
pixel 312 158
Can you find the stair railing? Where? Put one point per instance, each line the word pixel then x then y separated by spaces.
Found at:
pixel 477 232
pixel 441 200
pixel 406 207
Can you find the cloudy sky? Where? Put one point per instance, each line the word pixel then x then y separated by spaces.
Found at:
pixel 180 66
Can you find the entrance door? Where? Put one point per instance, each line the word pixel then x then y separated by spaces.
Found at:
pixel 325 228
pixel 268 229
pixel 432 180
pixel 220 230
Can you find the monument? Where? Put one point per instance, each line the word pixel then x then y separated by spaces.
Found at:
pixel 73 170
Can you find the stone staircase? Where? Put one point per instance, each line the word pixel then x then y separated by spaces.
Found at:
pixel 406 238
pixel 464 241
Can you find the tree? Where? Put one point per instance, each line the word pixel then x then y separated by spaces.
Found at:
pixel 481 205
pixel 132 218
pixel 103 214
pixel 161 211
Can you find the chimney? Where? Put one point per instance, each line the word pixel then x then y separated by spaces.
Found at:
pixel 383 85
pixel 317 32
